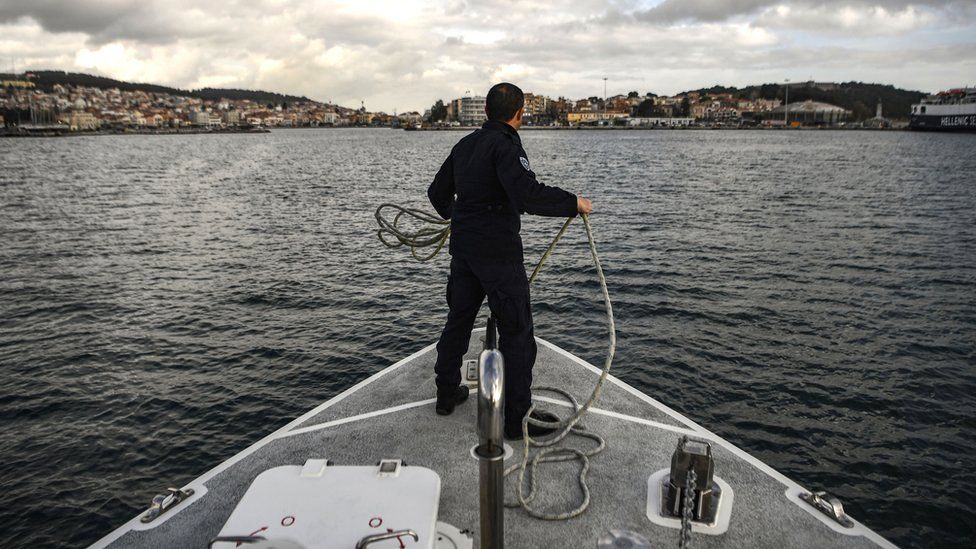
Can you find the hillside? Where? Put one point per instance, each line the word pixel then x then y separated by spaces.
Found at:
pixel 858 97
pixel 47 79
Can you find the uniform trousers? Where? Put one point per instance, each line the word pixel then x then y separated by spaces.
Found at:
pixel 507 288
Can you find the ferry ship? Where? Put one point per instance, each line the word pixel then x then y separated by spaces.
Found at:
pixel 951 110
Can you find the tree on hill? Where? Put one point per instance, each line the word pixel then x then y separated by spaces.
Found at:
pixel 646 109
pixel 857 97
pixel 46 80
pixel 438 112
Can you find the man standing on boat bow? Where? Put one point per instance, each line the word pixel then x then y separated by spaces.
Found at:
pixel 483 187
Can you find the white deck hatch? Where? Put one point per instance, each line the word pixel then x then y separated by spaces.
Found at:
pixel 335 507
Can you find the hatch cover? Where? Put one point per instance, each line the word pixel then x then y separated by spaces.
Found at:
pixel 335 507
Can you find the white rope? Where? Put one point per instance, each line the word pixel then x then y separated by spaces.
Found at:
pixel 548 452
pixel 419 238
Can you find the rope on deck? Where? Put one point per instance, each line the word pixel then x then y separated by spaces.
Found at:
pixel 548 452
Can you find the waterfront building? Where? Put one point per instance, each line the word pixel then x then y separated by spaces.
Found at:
pixel 766 105
pixel 664 122
pixel 200 118
pixel 410 118
pixel 330 118
pixel 232 118
pixel 453 110
pixel 538 110
pixel 22 84
pixel 811 113
pixel 82 121
pixel 702 110
pixel 581 117
pixel 666 110
pixel 619 103
pixel 591 117
pixel 726 115
pixel 472 111
pixel 365 118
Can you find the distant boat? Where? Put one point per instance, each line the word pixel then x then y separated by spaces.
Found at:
pixel 951 110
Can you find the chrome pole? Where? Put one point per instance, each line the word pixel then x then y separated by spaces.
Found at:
pixel 491 452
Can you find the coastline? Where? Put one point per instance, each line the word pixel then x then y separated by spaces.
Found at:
pixel 63 132
pixel 665 128
pixel 15 132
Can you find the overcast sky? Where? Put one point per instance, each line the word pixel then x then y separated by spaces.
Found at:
pixel 404 54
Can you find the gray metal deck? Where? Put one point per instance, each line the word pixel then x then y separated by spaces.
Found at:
pixel 391 415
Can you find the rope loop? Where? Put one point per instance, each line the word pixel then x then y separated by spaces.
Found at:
pixel 436 234
pixel 547 452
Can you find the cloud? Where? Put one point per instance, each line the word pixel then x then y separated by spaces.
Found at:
pixel 672 11
pixel 405 54
pixel 107 20
pixel 865 20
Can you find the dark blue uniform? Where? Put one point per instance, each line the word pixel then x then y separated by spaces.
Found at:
pixel 483 187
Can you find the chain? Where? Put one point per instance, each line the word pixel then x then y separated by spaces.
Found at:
pixel 684 542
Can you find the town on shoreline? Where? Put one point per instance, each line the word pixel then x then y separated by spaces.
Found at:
pixel 31 105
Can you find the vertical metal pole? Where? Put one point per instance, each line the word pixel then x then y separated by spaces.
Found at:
pixel 491 341
pixel 604 98
pixel 490 451
pixel 786 105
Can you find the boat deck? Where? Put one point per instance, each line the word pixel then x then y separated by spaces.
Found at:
pixel 391 416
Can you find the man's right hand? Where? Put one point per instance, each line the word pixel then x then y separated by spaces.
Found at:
pixel 583 205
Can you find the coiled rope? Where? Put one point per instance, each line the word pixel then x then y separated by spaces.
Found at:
pixel 548 452
pixel 418 238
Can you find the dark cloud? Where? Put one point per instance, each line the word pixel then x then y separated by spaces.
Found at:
pixel 397 53
pixel 710 11
pixel 108 20
pixel 58 16
pixel 671 11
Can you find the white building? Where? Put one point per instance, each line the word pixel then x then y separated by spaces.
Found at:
pixel 472 112
pixel 660 122
pixel 200 118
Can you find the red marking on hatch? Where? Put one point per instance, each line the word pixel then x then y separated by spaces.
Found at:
pixel 376 522
pixel 254 533
pixel 402 546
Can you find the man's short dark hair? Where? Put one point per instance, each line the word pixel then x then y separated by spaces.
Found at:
pixel 503 101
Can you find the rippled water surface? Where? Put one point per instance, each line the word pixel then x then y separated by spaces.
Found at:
pixel 167 300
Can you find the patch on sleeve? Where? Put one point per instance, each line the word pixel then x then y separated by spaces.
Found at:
pixel 524 161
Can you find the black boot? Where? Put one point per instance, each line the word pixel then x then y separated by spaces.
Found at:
pixel 514 432
pixel 449 397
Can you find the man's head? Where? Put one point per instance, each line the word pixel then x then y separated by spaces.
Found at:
pixel 505 103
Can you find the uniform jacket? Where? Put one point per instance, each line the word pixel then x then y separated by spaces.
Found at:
pixel 484 186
